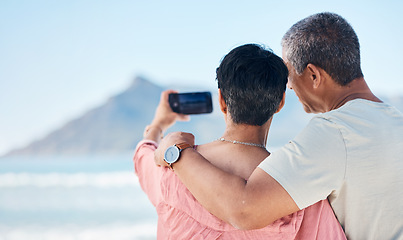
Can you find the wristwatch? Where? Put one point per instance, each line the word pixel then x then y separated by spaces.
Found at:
pixel 172 154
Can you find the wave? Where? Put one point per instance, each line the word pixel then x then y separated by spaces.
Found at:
pixel 69 180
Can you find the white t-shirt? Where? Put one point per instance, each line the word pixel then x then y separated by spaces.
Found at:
pixel 354 156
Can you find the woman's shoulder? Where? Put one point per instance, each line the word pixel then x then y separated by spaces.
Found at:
pixel 233 158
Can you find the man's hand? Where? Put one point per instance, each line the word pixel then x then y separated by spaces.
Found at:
pixel 170 140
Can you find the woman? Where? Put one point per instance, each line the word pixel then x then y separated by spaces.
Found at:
pixel 252 83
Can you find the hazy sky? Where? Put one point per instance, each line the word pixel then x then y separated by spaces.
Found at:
pixel 61 58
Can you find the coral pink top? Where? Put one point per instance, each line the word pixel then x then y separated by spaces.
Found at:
pixel 180 216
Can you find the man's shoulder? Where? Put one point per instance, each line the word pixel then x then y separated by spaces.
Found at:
pixel 361 122
pixel 361 110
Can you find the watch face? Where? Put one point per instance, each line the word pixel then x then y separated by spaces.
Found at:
pixel 171 154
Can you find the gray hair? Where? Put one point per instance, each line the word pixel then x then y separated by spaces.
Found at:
pixel 325 40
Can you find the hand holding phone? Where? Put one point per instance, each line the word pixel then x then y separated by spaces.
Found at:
pixel 191 103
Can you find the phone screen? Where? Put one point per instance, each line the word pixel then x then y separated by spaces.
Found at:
pixel 191 103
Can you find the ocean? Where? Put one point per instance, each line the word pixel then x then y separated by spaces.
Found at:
pixel 80 198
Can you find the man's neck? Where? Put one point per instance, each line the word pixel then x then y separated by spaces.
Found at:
pixel 357 89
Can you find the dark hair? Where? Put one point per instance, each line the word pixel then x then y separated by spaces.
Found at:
pixel 252 81
pixel 325 40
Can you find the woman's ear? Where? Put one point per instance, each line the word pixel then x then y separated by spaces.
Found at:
pixel 221 101
pixel 281 105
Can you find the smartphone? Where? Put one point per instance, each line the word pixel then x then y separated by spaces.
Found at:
pixel 191 103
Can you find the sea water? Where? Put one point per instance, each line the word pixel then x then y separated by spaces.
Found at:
pixel 63 198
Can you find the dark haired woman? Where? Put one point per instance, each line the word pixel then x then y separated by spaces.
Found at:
pixel 252 83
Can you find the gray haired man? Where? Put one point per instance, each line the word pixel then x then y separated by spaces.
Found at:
pixel 351 152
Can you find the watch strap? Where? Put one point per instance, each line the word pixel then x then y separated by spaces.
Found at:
pixel 183 146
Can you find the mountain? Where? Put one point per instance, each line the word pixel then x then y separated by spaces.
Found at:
pixel 115 126
pixel 118 125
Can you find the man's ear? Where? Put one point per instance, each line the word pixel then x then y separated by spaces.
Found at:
pixel 281 104
pixel 221 101
pixel 315 75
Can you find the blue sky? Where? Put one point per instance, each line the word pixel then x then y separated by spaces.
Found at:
pixel 59 59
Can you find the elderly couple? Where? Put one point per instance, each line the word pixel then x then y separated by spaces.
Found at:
pixel 341 177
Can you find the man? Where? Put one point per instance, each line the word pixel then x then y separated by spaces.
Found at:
pixel 351 153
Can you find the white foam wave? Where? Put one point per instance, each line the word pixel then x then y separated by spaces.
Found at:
pixel 70 180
